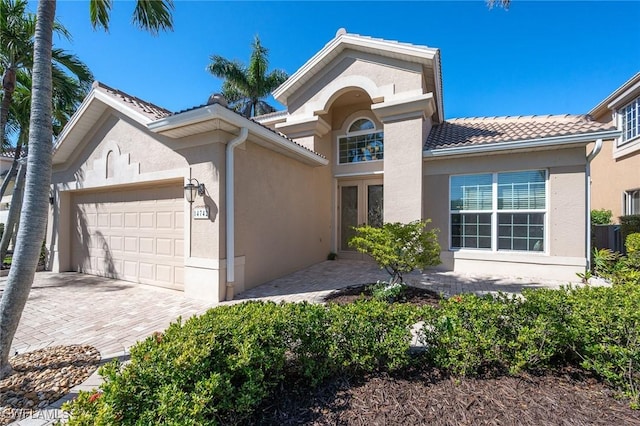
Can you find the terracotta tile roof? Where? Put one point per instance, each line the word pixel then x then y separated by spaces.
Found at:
pixel 488 130
pixel 255 120
pixel 147 108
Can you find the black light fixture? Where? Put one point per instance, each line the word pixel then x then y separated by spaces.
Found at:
pixel 191 189
pixel 52 197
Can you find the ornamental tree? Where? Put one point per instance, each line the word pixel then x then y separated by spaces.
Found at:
pixel 399 248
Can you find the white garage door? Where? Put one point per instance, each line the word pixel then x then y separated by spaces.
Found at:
pixel 133 234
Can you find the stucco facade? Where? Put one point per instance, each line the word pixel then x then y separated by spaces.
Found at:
pixel 363 140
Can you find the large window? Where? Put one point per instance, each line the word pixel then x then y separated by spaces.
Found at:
pixel 499 211
pixel 632 202
pixel 363 142
pixel 630 122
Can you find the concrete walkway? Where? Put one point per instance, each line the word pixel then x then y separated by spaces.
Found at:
pixel 112 315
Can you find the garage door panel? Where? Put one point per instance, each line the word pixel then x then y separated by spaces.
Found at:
pixel 135 235
pixel 116 220
pixel 146 245
pixel 179 248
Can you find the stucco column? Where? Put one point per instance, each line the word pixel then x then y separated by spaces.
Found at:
pixel 405 129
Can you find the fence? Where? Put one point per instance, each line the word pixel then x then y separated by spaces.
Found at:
pixel 607 236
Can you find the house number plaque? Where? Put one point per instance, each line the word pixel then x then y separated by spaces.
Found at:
pixel 201 212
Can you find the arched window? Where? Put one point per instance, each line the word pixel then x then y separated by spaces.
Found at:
pixel 363 142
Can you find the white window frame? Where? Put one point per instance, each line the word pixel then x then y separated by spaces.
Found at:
pixel 494 212
pixel 628 205
pixel 359 133
pixel 621 115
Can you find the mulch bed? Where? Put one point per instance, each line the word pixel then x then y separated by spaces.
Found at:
pixel 410 294
pixel 44 376
pixel 429 397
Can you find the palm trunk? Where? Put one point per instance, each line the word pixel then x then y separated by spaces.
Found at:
pixel 14 212
pixel 8 88
pixel 36 197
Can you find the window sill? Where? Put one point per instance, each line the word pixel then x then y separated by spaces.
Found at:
pixel 629 147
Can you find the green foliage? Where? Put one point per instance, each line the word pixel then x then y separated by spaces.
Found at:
pixel 217 368
pixel 386 292
pixel 370 335
pixel 399 248
pixel 604 261
pixel 601 217
pixel 596 328
pixel 632 243
pixel 629 225
pixel 469 334
pixel 332 256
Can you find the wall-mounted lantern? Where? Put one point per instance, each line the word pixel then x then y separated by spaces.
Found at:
pixel 191 189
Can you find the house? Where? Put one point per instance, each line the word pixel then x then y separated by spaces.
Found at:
pixel 6 159
pixel 615 172
pixel 209 202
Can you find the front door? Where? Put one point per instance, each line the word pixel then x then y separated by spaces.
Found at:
pixel 359 203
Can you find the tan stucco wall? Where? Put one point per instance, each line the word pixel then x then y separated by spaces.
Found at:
pixel 403 170
pixel 610 177
pixel 566 218
pixel 283 214
pixel 393 74
pixel 147 159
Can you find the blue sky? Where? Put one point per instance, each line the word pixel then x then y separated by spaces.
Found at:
pixel 536 58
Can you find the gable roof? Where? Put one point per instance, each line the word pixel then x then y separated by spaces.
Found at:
pixel 493 133
pixel 153 111
pixel 162 121
pixel 427 56
pixel 100 98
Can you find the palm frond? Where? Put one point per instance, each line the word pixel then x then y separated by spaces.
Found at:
pixel 99 13
pixel 154 15
pixel 74 65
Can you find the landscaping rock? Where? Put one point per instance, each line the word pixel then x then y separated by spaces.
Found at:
pixel 42 377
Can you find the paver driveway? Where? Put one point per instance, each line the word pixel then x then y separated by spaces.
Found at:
pixel 111 315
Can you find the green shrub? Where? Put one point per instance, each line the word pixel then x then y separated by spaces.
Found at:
pixel 469 335
pixel 217 368
pixel 632 243
pixel 370 335
pixel 399 248
pixel 601 217
pixel 604 261
pixel 386 292
pixel 605 323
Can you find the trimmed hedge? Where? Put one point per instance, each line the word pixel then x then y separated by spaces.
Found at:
pixel 219 367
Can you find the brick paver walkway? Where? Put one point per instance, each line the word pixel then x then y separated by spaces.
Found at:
pixel 111 315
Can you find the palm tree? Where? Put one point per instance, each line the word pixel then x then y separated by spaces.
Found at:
pixel 68 93
pixel 246 87
pixel 152 15
pixel 17 30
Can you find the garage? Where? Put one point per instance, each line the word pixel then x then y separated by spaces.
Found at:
pixel 134 234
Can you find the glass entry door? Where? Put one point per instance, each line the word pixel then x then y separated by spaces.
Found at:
pixel 360 202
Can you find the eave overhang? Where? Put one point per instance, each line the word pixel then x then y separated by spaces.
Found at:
pixel 84 119
pixel 217 117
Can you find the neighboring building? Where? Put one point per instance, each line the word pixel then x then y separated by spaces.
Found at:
pixel 6 159
pixel 615 172
pixel 363 140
